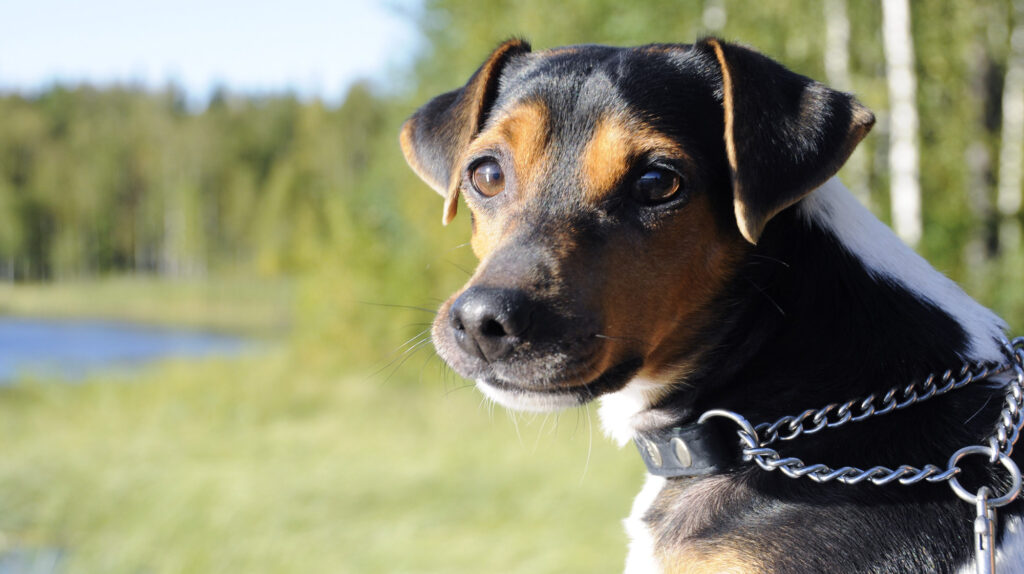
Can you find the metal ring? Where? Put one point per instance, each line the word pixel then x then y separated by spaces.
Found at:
pixel 1010 466
pixel 736 418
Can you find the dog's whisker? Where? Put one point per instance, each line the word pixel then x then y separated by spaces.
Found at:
pixel 397 306
pixel 426 326
pixel 618 338
pixel 981 408
pixel 459 267
pixel 460 246
pixel 540 431
pixel 444 373
pixel 515 424
pixel 590 444
pixel 771 259
pixel 458 388
pixel 768 297
pixel 412 339
pixel 424 365
pixel 404 357
pixel 410 346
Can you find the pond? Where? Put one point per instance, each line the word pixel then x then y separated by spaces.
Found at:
pixel 71 349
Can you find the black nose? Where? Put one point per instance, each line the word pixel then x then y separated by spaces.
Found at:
pixel 488 322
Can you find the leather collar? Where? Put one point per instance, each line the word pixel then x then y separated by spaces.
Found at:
pixel 696 449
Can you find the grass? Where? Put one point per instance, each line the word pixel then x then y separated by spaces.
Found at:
pixel 246 305
pixel 259 465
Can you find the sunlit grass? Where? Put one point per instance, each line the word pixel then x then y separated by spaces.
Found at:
pixel 257 465
pixel 241 304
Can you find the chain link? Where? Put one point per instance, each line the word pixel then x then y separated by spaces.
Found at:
pixel 897 398
pixel 1011 418
pixel 756 440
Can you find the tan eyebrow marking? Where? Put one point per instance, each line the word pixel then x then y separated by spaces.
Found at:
pixel 615 144
pixel 525 130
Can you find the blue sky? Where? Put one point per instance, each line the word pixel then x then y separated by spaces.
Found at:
pixel 315 48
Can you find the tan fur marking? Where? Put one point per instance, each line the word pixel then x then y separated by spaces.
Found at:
pixel 523 131
pixel 861 122
pixel 487 236
pixel 451 206
pixel 560 51
pixel 607 156
pixel 742 220
pixel 475 92
pixel 526 129
pixel 730 145
pixel 615 144
pixel 722 560
pixel 657 314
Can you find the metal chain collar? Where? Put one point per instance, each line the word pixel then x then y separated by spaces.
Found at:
pixel 756 440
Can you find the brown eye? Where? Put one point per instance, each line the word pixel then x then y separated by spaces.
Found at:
pixel 487 178
pixel 656 186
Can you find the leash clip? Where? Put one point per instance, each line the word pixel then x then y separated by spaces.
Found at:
pixel 985 518
pixel 985 534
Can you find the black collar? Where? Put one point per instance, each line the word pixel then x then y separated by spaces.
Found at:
pixel 696 449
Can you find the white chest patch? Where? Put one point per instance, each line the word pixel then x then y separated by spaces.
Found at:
pixel 625 411
pixel 641 558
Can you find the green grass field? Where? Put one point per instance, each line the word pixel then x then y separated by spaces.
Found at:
pixel 262 464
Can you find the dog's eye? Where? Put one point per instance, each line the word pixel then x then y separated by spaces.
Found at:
pixel 656 186
pixel 487 178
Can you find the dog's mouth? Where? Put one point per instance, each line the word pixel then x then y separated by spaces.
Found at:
pixel 556 397
pixel 529 353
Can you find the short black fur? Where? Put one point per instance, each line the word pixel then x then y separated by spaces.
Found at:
pixel 805 324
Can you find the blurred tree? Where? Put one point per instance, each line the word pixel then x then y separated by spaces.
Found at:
pixel 903 152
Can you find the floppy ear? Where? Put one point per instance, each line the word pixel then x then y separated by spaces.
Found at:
pixel 434 137
pixel 785 134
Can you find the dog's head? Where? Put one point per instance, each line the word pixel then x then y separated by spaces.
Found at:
pixel 613 194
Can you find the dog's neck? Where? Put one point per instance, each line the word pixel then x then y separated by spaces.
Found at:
pixel 828 307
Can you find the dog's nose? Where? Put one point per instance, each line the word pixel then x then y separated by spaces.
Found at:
pixel 489 321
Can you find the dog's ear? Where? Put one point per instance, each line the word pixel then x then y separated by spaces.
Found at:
pixel 785 134
pixel 434 137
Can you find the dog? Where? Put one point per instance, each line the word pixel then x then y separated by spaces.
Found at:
pixel 660 228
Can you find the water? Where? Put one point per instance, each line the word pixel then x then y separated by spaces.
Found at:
pixel 71 349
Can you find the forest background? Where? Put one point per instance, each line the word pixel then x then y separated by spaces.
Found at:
pixel 343 445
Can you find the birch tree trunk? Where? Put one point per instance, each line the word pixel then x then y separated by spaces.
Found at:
pixel 837 72
pixel 905 188
pixel 1008 194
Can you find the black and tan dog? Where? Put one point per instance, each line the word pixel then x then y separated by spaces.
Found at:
pixel 660 227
